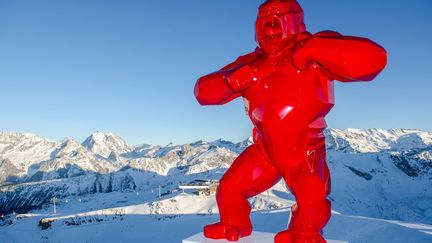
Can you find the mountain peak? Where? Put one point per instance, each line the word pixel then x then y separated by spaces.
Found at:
pixel 104 143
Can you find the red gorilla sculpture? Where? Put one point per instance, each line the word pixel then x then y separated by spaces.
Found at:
pixel 287 87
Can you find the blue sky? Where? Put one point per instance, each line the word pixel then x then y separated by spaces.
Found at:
pixel 69 68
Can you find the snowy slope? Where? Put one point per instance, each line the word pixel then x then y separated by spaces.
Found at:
pixel 138 228
pixel 157 221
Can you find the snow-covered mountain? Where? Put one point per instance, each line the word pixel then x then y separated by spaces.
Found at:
pixel 387 172
pixel 376 173
pixel 106 144
pixel 18 151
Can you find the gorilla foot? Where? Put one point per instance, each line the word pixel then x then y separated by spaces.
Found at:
pixel 221 231
pixel 288 236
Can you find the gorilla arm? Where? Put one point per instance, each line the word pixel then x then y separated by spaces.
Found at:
pixel 227 84
pixel 345 58
pixel 214 88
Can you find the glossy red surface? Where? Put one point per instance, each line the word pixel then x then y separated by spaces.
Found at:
pixel 287 87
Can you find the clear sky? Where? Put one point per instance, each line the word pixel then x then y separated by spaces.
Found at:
pixel 69 68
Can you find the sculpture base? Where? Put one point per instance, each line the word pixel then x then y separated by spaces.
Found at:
pixel 256 237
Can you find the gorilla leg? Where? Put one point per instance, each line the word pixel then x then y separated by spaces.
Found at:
pixel 310 184
pixel 249 175
pixel 299 153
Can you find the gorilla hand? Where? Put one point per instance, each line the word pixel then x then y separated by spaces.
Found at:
pixel 247 76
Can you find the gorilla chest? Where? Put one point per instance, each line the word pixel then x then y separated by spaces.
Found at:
pixel 308 89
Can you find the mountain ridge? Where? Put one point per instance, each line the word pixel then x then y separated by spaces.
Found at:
pixel 371 168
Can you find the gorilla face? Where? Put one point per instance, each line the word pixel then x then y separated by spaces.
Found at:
pixel 278 23
pixel 270 34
